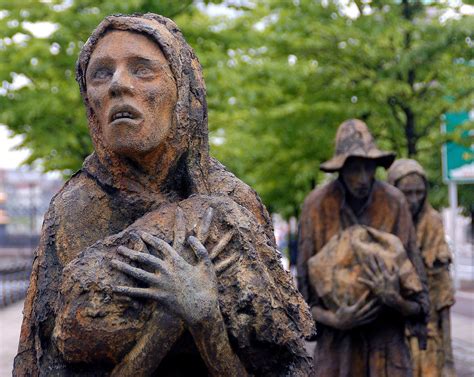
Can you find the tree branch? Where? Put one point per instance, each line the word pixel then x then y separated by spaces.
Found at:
pixel 392 103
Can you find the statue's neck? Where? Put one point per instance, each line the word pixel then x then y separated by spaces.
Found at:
pixel 154 167
pixel 356 204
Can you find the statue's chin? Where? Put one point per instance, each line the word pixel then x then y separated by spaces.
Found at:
pixel 133 149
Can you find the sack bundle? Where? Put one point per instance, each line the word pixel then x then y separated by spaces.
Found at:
pixel 335 269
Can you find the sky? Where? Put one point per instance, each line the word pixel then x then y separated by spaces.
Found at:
pixel 9 158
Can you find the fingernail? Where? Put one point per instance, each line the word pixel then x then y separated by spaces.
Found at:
pixel 115 263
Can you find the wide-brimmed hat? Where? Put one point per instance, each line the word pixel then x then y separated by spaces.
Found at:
pixel 403 167
pixel 353 139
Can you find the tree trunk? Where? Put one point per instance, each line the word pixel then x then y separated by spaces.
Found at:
pixel 410 132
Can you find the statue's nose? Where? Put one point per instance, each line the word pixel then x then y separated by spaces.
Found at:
pixel 121 83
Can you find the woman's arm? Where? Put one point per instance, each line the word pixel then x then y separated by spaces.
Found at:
pixel 213 343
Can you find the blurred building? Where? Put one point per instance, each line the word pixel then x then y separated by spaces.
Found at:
pixel 24 199
pixel 3 215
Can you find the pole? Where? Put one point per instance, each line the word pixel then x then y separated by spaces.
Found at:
pixel 453 206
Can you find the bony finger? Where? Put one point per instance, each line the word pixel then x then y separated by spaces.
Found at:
pixel 159 244
pixel 346 298
pixel 373 264
pixel 221 245
pixel 367 311
pixel 136 273
pixel 367 319
pixel 369 283
pixel 205 225
pixel 361 301
pixel 380 264
pixel 368 306
pixel 146 259
pixel 226 263
pixel 368 271
pixel 372 313
pixel 336 301
pixel 145 293
pixel 179 230
pixel 136 243
pixel 129 253
pixel 199 249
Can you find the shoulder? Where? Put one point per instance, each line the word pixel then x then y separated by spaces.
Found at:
pixel 388 190
pixel 433 217
pixel 390 195
pixel 79 214
pixel 223 182
pixel 323 196
pixel 77 195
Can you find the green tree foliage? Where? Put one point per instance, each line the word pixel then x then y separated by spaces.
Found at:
pixel 398 65
pixel 281 76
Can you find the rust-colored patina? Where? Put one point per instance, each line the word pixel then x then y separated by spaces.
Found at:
pixel 437 360
pixel 154 259
pixel 365 337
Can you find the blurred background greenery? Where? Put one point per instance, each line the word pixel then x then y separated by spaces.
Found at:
pixel 281 76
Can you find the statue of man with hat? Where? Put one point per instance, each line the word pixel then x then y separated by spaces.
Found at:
pixel 361 335
pixel 437 360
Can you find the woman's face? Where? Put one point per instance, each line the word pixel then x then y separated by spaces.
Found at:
pixel 132 92
pixel 414 188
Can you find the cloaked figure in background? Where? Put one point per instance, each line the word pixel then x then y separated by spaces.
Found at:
pixel 437 360
pixel 363 284
pixel 154 259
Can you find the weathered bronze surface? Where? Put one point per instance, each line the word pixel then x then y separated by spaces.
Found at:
pixel 362 332
pixel 154 259
pixel 437 359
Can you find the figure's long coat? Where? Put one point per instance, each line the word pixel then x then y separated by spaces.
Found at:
pixel 377 349
pixel 437 258
pixel 75 325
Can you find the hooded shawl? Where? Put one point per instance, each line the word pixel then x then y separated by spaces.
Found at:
pixel 437 258
pixel 99 207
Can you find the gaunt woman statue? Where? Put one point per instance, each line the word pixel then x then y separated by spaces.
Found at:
pixel 154 259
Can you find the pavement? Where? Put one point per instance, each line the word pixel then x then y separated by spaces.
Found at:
pixel 462 321
pixel 462 333
pixel 10 323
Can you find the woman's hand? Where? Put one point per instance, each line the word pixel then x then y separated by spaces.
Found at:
pixel 189 291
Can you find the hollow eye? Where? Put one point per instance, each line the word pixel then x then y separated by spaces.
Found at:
pixel 102 73
pixel 143 71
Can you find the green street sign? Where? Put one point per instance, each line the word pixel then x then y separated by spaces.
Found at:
pixel 458 160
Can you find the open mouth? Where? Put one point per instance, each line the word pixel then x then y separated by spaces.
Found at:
pixel 123 113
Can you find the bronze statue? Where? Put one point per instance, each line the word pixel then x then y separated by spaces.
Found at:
pixel 437 360
pixel 361 335
pixel 154 259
